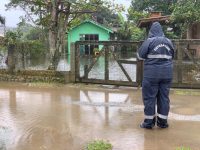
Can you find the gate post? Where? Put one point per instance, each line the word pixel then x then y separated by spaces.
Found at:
pixel 106 62
pixel 72 63
pixel 139 72
pixel 139 69
pixel 86 72
pixel 11 58
pixel 180 61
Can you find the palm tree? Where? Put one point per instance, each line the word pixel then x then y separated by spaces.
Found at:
pixel 2 20
pixel 3 23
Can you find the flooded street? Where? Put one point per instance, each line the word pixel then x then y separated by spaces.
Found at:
pixel 67 117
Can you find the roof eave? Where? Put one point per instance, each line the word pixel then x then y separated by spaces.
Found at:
pixel 147 21
pixel 95 23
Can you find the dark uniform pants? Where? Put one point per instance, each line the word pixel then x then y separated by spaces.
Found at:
pixel 156 91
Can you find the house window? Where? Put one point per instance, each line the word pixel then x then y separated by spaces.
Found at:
pixel 82 37
pixel 88 49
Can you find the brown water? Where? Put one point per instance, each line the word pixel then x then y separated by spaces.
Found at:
pixel 50 117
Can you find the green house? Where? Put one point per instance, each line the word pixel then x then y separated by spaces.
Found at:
pixel 89 31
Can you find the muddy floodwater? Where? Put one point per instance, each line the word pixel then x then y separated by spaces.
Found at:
pixel 67 117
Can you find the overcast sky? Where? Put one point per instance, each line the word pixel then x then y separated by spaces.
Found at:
pixel 12 16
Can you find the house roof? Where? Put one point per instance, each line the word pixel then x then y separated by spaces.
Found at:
pixel 145 22
pixel 94 23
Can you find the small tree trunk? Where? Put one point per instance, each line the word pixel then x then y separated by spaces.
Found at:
pixel 52 49
pixel 57 31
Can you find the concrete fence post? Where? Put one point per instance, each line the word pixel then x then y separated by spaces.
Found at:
pixel 11 58
pixel 180 62
pixel 72 62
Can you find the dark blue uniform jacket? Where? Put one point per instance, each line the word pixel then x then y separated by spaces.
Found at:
pixel 157 52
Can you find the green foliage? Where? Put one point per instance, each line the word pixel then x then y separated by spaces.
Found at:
pixel 36 34
pixel 27 41
pixel 129 31
pixel 135 15
pixel 186 12
pixel 137 33
pixel 2 49
pixel 33 48
pixel 12 37
pixel 72 10
pixel 99 145
pixel 57 16
pixel 140 9
pixel 33 42
pixel 153 5
pixel 106 12
pixel 171 35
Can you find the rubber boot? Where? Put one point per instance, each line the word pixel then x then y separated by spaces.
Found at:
pixel 148 123
pixel 162 123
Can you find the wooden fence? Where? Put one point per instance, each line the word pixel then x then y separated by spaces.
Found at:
pixel 186 63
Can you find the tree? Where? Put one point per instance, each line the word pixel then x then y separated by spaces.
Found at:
pixel 185 13
pixel 129 31
pixel 153 5
pixel 27 45
pixel 140 9
pixel 57 16
pixel 135 12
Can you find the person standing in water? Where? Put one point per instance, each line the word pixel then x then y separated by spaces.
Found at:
pixel 157 52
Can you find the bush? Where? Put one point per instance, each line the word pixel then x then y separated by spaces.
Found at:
pixel 99 145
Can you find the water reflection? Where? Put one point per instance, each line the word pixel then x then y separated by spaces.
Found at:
pixel 70 116
pixel 43 119
pixel 97 72
pixel 63 65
